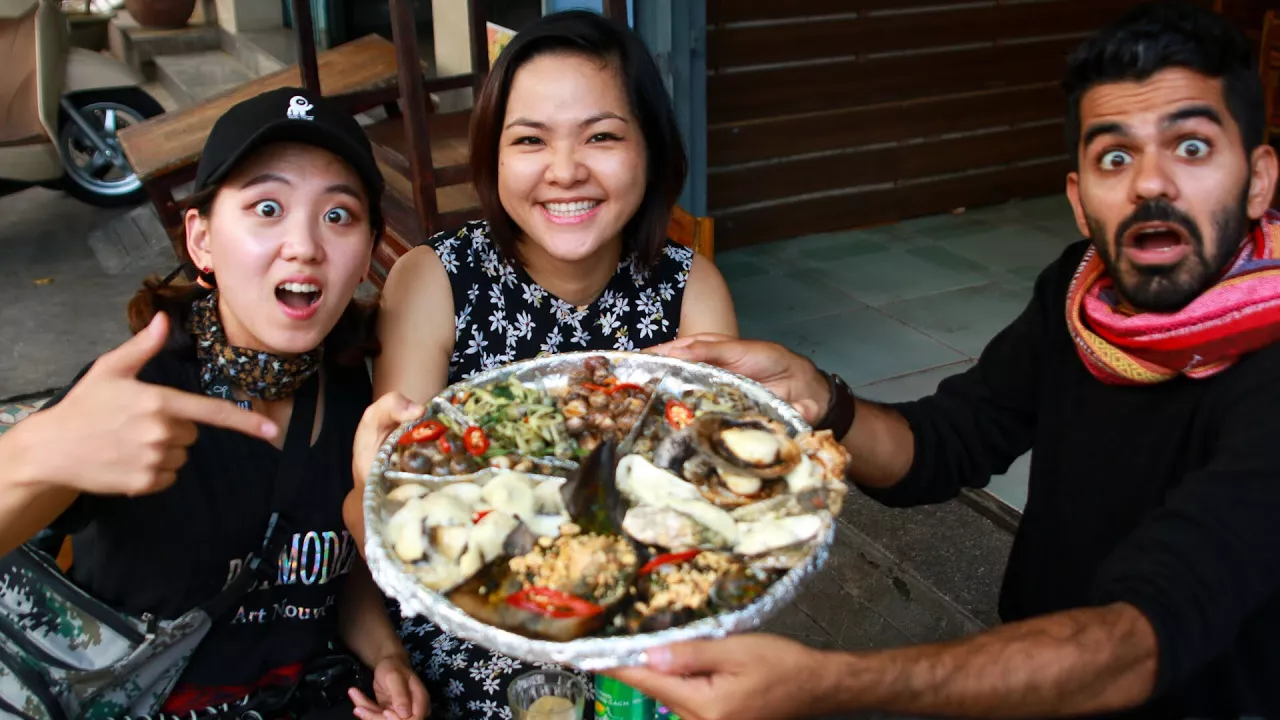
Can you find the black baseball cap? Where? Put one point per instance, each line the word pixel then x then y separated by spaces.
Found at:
pixel 290 115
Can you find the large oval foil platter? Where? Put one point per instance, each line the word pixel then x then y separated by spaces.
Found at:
pixel 591 654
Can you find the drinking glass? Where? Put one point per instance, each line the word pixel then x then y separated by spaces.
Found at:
pixel 525 691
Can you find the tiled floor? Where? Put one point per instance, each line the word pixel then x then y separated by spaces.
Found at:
pixel 897 308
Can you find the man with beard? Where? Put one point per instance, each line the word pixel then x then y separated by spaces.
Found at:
pixel 1144 374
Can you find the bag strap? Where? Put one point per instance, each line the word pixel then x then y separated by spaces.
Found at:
pixel 289 481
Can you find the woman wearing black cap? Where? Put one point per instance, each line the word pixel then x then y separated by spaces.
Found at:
pixel 168 488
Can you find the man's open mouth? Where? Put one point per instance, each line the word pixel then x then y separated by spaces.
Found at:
pixel 1156 243
pixel 1156 237
pixel 298 296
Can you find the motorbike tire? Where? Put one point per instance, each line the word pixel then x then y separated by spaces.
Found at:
pixel 76 181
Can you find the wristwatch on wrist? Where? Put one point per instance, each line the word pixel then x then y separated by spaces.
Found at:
pixel 840 407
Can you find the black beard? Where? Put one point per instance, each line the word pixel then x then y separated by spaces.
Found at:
pixel 1171 289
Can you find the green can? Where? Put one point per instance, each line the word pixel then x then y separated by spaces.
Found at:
pixel 616 701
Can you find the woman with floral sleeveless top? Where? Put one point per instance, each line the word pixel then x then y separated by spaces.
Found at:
pixel 578 162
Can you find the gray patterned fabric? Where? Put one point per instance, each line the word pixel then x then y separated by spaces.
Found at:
pixel 66 656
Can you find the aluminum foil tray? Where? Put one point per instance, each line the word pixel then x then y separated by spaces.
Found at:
pixel 591 653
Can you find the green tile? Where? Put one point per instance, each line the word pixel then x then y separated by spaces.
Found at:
pixel 824 245
pixel 889 276
pixel 934 228
pixel 1002 248
pixel 964 319
pixel 1064 230
pixel 864 345
pixel 1011 487
pixel 765 254
pixel 945 258
pixel 910 387
pixel 1026 273
pixel 1050 208
pixel 766 300
pixel 849 248
pixel 806 243
pixel 734 265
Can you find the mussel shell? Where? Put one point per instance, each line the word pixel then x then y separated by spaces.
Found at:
pixel 785 504
pixel 707 439
pixel 591 494
pixel 664 620
pixel 491 608
pixel 674 450
pixel 736 589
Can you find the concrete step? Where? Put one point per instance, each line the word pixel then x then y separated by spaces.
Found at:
pixel 262 51
pixel 138 47
pixel 134 242
pixel 156 90
pixel 195 77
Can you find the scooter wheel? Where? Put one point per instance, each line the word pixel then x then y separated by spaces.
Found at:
pixel 89 175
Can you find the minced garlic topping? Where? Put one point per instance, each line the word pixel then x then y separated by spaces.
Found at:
pixel 687 587
pixel 597 561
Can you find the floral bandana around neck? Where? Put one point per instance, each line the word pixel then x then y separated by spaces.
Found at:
pixel 1236 316
pixel 261 375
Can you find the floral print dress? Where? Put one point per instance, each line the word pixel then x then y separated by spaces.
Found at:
pixel 501 315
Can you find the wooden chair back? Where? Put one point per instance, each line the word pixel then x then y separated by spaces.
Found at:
pixel 697 233
pixel 1269 69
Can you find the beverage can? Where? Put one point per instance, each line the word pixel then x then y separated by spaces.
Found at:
pixel 617 701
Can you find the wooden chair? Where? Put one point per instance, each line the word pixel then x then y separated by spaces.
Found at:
pixel 423 155
pixel 694 232
pixel 1269 69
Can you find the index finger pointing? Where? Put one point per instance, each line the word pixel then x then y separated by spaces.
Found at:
pixel 216 413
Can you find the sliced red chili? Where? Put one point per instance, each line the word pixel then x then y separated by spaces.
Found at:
pixel 678 414
pixel 478 515
pixel 553 603
pixel 446 447
pixel 668 559
pixel 475 441
pixel 625 386
pixel 596 388
pixel 422 432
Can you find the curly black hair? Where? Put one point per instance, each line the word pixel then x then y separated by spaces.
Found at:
pixel 1156 36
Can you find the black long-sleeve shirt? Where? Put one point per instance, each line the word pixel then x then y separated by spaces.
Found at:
pixel 1164 496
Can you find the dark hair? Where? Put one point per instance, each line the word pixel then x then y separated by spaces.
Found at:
pixel 1160 35
pixel 353 338
pixel 585 33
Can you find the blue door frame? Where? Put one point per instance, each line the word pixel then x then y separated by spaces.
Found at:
pixel 676 32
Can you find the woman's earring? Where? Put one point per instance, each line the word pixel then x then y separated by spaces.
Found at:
pixel 201 279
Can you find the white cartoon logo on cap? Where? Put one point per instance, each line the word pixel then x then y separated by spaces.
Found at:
pixel 299 107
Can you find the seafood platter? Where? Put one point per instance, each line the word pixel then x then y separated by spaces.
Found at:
pixel 582 508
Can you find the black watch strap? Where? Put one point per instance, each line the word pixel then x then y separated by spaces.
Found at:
pixel 840 407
